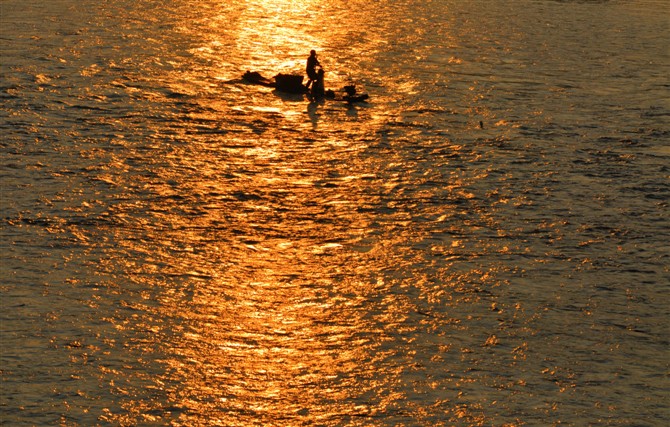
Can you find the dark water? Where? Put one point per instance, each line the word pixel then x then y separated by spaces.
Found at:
pixel 484 243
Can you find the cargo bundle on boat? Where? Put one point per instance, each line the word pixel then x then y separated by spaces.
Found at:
pixel 290 83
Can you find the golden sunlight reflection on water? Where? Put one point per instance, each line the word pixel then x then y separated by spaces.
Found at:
pixel 269 36
pixel 271 320
pixel 251 258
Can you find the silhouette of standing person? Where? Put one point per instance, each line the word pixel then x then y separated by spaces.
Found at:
pixel 312 63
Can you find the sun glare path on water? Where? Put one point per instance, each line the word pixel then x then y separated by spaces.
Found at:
pixel 480 244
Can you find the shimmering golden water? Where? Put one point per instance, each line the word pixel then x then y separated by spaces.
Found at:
pixel 483 243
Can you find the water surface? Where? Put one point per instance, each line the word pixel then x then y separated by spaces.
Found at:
pixel 483 243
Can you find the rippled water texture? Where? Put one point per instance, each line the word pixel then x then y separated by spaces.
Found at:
pixel 484 243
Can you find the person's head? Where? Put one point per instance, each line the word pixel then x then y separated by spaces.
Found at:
pixel 312 52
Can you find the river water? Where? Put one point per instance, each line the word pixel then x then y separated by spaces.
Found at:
pixel 484 243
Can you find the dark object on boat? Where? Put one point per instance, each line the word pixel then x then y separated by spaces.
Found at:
pixel 291 83
pixel 351 95
pixel 318 90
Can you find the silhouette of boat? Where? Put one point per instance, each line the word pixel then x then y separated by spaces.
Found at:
pixel 292 83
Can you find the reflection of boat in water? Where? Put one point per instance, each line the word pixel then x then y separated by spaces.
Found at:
pixel 292 83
